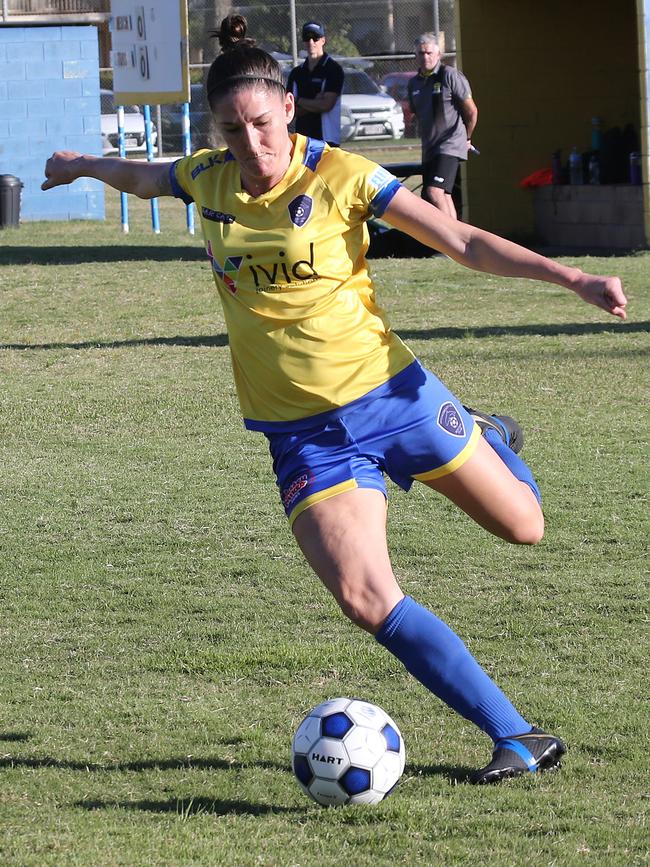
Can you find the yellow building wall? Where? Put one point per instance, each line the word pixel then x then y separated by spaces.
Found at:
pixel 539 72
pixel 643 29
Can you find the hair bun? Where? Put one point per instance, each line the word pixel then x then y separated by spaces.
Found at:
pixel 232 32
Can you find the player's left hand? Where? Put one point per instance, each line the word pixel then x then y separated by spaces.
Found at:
pixel 604 292
pixel 61 168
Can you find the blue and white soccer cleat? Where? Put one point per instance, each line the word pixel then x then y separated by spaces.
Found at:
pixel 507 428
pixel 520 754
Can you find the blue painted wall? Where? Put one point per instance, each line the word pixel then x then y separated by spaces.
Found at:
pixel 49 100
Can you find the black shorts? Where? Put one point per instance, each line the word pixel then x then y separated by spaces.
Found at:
pixel 440 171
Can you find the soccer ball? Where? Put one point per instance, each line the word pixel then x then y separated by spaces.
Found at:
pixel 348 751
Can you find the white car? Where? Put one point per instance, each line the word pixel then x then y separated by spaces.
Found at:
pixel 366 111
pixel 133 126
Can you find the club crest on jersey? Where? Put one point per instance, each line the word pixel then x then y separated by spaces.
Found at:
pixel 228 271
pixel 300 210
pixel 449 419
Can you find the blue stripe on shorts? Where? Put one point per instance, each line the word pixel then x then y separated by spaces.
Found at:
pixel 416 429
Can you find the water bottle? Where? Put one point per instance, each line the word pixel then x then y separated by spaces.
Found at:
pixel 635 168
pixel 594 169
pixel 575 167
pixel 596 135
pixel 556 167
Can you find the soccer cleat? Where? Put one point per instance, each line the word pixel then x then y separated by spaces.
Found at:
pixel 507 428
pixel 535 751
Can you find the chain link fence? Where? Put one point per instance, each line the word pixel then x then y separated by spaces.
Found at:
pixel 354 27
pixel 372 39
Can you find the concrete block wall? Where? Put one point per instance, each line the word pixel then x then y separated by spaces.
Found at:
pixel 49 100
pixel 591 217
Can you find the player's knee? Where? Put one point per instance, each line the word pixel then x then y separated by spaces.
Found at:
pixel 362 606
pixel 357 610
pixel 527 526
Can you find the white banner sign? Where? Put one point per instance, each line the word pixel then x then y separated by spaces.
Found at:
pixel 149 52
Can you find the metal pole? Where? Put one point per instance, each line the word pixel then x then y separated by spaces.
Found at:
pixel 391 26
pixel 159 140
pixel 436 17
pixel 294 37
pixel 187 149
pixel 121 147
pixel 155 213
pixel 5 9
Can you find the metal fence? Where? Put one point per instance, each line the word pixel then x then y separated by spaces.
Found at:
pixel 375 35
pixel 368 28
pixel 354 27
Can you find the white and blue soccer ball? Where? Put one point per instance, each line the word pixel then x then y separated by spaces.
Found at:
pixel 348 751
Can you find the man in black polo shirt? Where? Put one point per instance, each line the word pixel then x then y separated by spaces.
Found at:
pixel 441 99
pixel 316 86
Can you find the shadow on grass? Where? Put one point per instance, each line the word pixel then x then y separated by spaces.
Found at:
pixel 57 255
pixel 209 340
pixel 454 773
pixel 14 736
pixel 179 806
pixel 571 329
pixel 392 244
pixel 173 764
pixel 192 806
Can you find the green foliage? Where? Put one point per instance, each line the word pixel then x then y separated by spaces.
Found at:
pixel 162 636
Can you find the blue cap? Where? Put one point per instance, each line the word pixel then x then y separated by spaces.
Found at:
pixel 312 28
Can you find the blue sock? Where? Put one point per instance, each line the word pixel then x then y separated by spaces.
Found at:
pixel 517 467
pixel 437 657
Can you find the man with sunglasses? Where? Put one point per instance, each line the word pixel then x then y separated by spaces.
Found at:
pixel 317 85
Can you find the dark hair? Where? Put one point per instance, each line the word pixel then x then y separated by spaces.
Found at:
pixel 232 32
pixel 241 63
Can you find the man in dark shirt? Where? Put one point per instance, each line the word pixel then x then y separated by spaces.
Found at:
pixel 441 99
pixel 316 85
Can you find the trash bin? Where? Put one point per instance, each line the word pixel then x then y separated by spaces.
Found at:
pixel 10 187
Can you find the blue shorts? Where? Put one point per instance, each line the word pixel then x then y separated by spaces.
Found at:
pixel 411 427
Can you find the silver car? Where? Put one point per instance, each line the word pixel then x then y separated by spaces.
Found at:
pixel 366 111
pixel 133 126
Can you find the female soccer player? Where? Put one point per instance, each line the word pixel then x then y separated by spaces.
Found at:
pixel 340 398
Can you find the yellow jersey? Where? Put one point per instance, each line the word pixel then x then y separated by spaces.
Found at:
pixel 306 334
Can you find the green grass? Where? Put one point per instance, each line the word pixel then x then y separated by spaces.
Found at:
pixel 162 636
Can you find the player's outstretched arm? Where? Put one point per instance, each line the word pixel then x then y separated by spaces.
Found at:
pixel 146 180
pixel 483 251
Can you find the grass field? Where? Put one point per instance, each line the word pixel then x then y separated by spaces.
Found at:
pixel 162 636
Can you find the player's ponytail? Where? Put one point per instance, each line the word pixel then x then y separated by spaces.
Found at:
pixel 241 63
pixel 232 32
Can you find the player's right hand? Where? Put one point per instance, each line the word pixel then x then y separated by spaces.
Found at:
pixel 61 168
pixel 604 292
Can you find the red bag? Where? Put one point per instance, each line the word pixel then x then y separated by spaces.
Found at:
pixel 540 178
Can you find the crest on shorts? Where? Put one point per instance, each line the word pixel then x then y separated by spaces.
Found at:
pixel 450 420
pixel 300 210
